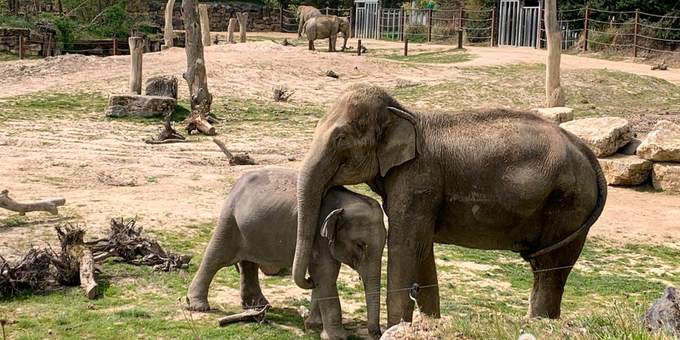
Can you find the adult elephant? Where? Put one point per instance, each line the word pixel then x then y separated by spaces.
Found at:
pixel 494 179
pixel 304 13
pixel 327 26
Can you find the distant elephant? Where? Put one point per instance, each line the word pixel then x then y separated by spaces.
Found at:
pixel 257 229
pixel 304 13
pixel 327 26
pixel 493 179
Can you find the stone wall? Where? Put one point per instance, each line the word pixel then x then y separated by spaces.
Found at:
pixel 260 18
pixel 37 42
pixel 31 6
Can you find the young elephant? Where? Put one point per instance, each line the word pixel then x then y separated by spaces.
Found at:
pixel 258 227
pixel 327 26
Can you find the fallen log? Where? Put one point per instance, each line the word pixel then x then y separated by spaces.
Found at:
pixel 49 205
pixel 250 315
pixel 76 262
pixel 166 134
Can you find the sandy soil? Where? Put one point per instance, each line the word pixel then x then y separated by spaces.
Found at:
pixel 104 170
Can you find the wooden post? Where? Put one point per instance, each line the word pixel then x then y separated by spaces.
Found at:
pixel 21 46
pixel 168 30
pixel 326 10
pixel 204 19
pixel 493 26
pixel 136 51
pixel 429 25
pixel 460 19
pixel 460 39
pixel 280 19
pixel 230 31
pixel 635 36
pixel 553 90
pixel 406 47
pixel 351 23
pixel 585 29
pixel 115 46
pixel 242 24
pixel 359 47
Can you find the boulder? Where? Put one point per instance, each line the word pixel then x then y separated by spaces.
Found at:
pixel 604 135
pixel 557 115
pixel 662 144
pixel 125 105
pixel 626 170
pixel 630 148
pixel 664 314
pixel 163 86
pixel 666 177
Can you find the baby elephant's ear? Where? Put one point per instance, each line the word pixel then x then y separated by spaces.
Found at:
pixel 329 226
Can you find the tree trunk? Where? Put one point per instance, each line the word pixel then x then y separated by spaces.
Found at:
pixel 136 51
pixel 230 29
pixel 22 208
pixel 243 25
pixel 168 33
pixel 195 75
pixel 553 89
pixel 205 23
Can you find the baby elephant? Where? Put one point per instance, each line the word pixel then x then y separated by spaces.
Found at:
pixel 258 228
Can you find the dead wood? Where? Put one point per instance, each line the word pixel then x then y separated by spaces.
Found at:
pixel 281 93
pixel 76 262
pixel 32 272
pixel 22 208
pixel 199 122
pixel 129 243
pixel 250 315
pixel 285 42
pixel 238 159
pixel 230 31
pixel 332 74
pixel 243 25
pixel 166 134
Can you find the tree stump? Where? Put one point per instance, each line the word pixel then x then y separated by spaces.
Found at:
pixel 195 75
pixel 243 24
pixel 230 29
pixel 168 33
pixel 136 51
pixel 204 18
pixel 76 262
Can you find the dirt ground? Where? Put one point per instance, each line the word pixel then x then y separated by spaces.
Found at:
pixel 104 170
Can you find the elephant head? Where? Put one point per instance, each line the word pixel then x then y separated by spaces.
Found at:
pixel 356 236
pixel 362 136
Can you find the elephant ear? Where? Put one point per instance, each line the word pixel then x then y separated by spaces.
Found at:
pixel 399 140
pixel 330 225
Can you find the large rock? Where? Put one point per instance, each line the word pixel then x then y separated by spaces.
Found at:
pixel 125 105
pixel 664 314
pixel 163 86
pixel 557 115
pixel 625 170
pixel 603 135
pixel 666 177
pixel 662 144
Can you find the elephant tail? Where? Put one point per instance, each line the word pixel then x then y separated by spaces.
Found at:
pixel 597 211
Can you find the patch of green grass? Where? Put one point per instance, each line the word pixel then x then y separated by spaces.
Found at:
pixel 13 221
pixel 231 109
pixel 440 57
pixel 53 106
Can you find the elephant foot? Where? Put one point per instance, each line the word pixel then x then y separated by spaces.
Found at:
pixel 374 332
pixel 313 323
pixel 253 301
pixel 334 334
pixel 198 304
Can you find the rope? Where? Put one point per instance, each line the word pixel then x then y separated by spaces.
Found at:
pixel 611 12
pixel 661 27
pixel 660 16
pixel 610 45
pixel 658 39
pixel 611 23
pixel 655 50
pixel 613 33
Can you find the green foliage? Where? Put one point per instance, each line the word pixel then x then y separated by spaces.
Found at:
pixel 114 21
pixel 439 57
pixel 14 21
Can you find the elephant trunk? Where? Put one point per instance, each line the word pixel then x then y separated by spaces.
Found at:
pixel 313 181
pixel 371 279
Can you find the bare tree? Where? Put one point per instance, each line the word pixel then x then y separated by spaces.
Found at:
pixel 196 75
pixel 553 89
pixel 168 33
pixel 243 25
pixel 204 19
pixel 230 29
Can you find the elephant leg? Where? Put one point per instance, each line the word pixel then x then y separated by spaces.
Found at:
pixel 301 24
pixel 221 252
pixel 314 320
pixel 411 218
pixel 324 269
pixel 428 297
pixel 550 275
pixel 311 45
pixel 251 293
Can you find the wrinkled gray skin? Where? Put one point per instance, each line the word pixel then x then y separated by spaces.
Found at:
pixel 494 179
pixel 304 13
pixel 257 229
pixel 327 27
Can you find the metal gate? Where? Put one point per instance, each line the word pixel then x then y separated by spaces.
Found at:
pixel 366 24
pixel 518 25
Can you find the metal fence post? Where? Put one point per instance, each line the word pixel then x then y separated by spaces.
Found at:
pixel 401 24
pixel 585 29
pixel 406 47
pixel 637 30
pixel 429 25
pixel 493 26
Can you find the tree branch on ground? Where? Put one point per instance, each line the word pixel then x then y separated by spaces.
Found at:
pixel 49 205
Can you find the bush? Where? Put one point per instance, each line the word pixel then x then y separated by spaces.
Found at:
pixel 416 33
pixel 113 22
